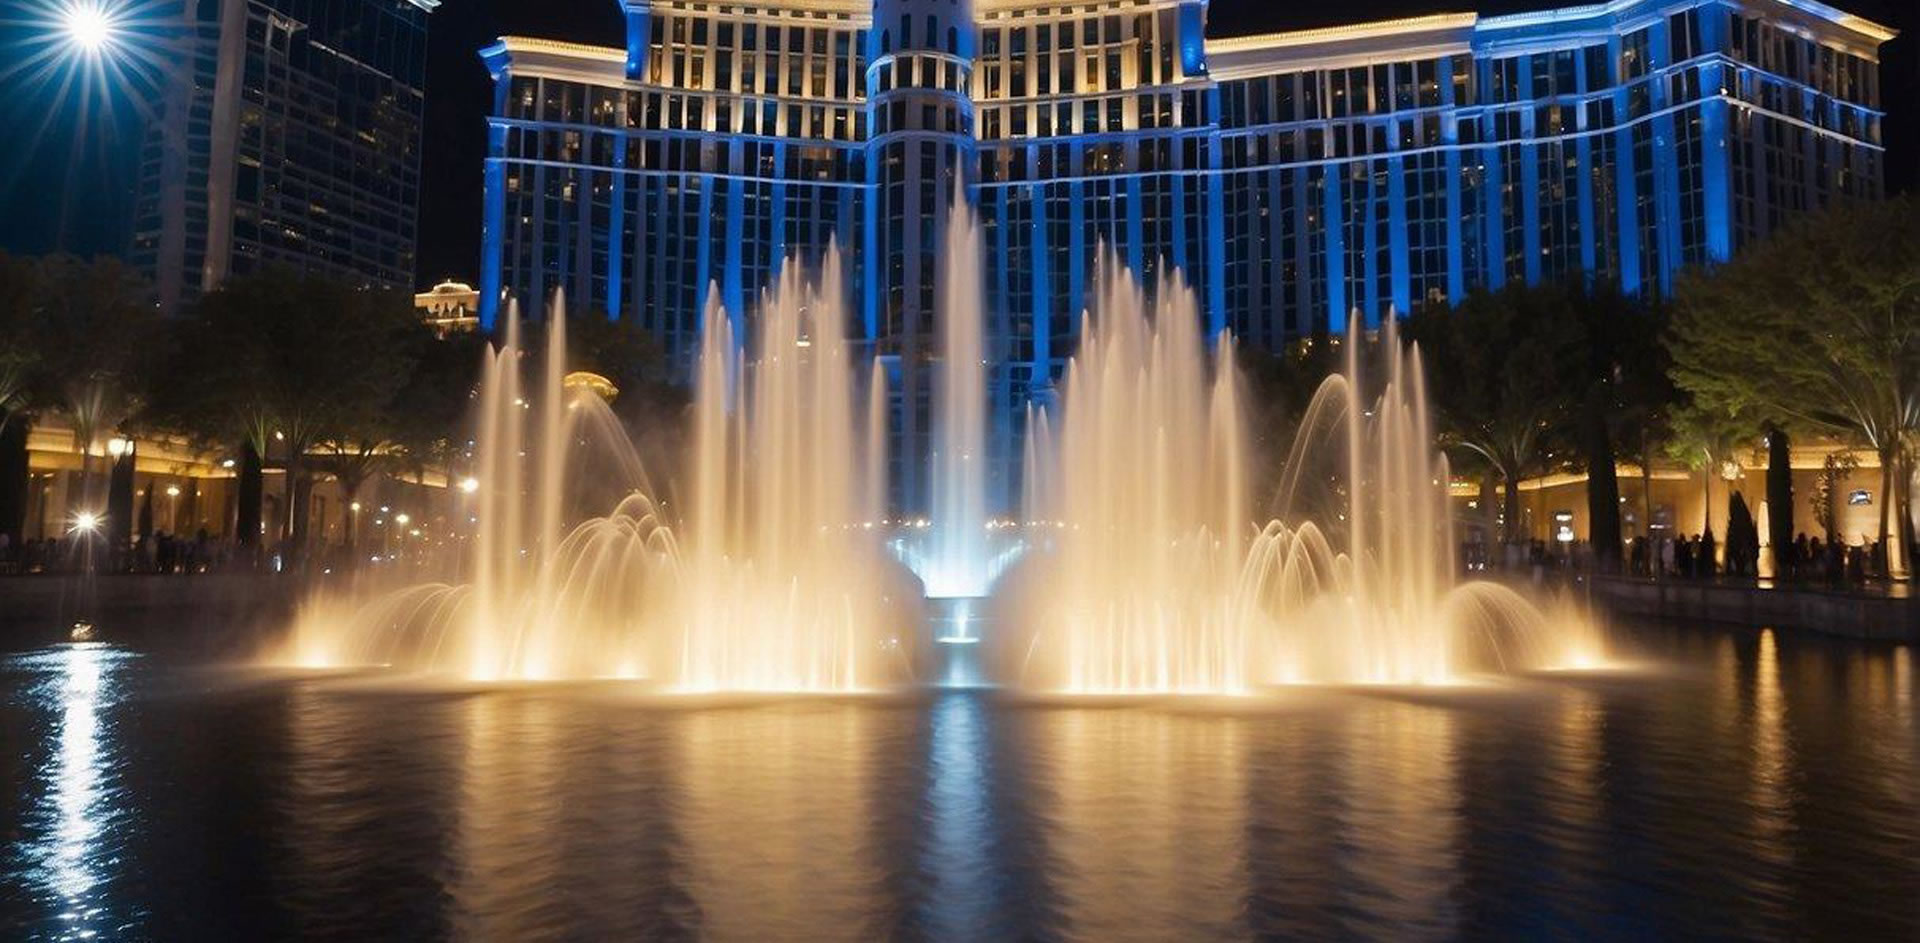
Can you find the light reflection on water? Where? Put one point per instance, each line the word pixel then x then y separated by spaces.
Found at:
pixel 1147 823
pixel 1763 785
pixel 70 842
pixel 957 858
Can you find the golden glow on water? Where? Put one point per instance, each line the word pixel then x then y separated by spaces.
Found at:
pixel 1771 789
pixel 776 818
pixel 1400 781
pixel 1903 676
pixel 1577 752
pixel 1148 822
pixel 1771 749
pixel 507 858
pixel 1764 790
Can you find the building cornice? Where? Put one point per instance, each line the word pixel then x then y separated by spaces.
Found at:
pixel 1432 35
pixel 526 55
pixel 1443 33
pixel 855 8
pixel 1377 29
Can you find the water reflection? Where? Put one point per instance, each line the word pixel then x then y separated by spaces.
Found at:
pixel 1147 830
pixel 775 807
pixel 1399 764
pixel 1772 752
pixel 338 792
pixel 957 854
pixel 1769 790
pixel 512 843
pixel 69 851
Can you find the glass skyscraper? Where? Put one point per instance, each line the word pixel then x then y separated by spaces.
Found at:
pixel 288 133
pixel 1295 179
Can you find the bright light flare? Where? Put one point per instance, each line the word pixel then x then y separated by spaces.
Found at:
pixel 87 66
pixel 89 26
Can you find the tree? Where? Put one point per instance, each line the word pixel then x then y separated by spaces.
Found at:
pixel 1826 489
pixel 1500 365
pixel 96 334
pixel 1706 439
pixel 434 421
pixel 20 331
pixel 1780 530
pixel 1743 538
pixel 650 405
pixel 1626 398
pixel 285 358
pixel 352 459
pixel 1818 327
pixel 633 359
pixel 1278 390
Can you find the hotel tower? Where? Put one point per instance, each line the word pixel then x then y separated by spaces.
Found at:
pixel 1296 179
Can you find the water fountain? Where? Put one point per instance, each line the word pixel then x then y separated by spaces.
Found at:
pixel 771 579
pixel 1147 574
pixel 958 555
pixel 1157 582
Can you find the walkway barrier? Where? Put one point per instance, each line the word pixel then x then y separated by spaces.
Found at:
pixel 1851 614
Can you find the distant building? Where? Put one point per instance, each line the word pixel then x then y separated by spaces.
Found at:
pixel 1297 179
pixel 449 307
pixel 288 133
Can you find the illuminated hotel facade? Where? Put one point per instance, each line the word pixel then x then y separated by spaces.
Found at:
pixel 1295 179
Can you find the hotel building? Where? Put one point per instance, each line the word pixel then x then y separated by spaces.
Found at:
pixel 288 133
pixel 1295 179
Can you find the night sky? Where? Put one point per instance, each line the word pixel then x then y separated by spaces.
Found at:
pixel 63 188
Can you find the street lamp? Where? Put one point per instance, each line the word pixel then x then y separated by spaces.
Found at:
pixel 118 446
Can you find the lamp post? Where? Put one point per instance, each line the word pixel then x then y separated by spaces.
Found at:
pixel 120 497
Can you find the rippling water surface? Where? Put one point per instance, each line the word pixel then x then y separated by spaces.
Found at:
pixel 1750 784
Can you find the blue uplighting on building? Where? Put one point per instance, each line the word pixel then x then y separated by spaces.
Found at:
pixel 1294 179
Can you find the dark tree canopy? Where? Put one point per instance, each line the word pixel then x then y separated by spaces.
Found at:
pixel 1817 329
pixel 1506 369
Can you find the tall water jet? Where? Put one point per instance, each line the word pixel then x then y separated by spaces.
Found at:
pixel 1157 577
pixel 1144 487
pixel 772 580
pixel 784 576
pixel 957 557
